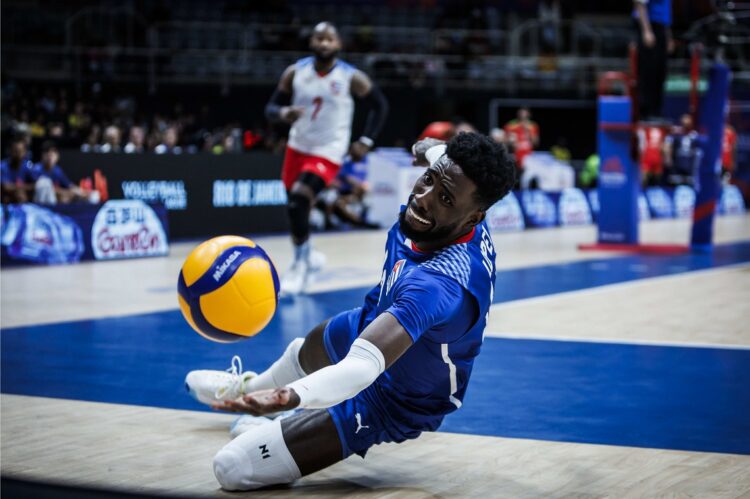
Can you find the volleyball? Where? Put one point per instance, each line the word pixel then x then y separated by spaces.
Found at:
pixel 228 289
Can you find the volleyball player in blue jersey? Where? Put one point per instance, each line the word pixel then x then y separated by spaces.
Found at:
pixel 394 367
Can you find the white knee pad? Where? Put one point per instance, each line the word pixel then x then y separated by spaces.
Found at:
pixel 257 458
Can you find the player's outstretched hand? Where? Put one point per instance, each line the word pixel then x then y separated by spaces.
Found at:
pixel 262 402
pixel 290 114
pixel 358 150
pixel 419 149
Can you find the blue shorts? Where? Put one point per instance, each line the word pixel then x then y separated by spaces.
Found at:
pixel 363 420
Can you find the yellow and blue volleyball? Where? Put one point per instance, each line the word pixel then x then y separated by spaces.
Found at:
pixel 228 289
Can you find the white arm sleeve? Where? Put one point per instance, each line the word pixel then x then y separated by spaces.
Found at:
pixel 333 384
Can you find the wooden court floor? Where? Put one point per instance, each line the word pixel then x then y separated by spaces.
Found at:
pixel 630 380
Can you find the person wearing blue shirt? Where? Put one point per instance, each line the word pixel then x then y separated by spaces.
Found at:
pixel 16 174
pixel 397 365
pixel 653 20
pixel 51 183
pixel 682 153
pixel 347 196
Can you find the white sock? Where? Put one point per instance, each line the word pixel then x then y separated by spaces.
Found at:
pixel 285 370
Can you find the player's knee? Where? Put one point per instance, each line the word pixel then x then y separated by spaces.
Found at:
pixel 299 214
pixel 231 471
pixel 257 458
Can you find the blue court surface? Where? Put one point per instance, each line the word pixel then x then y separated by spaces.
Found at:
pixel 669 397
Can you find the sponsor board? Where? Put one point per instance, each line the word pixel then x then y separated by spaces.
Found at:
pixel 660 202
pixel 540 209
pixel 37 234
pixel 573 208
pixel 246 192
pixel 684 201
pixel 731 201
pixel 643 213
pixel 506 214
pixel 127 229
pixel 171 193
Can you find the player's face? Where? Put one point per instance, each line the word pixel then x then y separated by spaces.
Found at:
pixel 325 44
pixel 441 207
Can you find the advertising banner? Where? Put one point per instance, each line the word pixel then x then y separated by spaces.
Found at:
pixel 540 209
pixel 659 202
pixel 574 208
pixel 731 201
pixel 206 194
pixel 506 214
pixel 70 233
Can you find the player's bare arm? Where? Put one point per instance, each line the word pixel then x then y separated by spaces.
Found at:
pixel 278 107
pixel 385 338
pixel 363 88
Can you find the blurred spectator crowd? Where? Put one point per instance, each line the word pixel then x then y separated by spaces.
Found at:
pixel 117 125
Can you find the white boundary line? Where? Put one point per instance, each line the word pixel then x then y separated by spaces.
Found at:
pixel 607 287
pixel 618 341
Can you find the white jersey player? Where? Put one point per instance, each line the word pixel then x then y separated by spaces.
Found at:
pixel 315 95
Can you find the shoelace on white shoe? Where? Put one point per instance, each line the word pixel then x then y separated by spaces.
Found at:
pixel 236 371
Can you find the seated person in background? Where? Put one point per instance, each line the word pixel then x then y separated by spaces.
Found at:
pixel 112 138
pixel 51 184
pixel 17 174
pixel 682 154
pixel 136 141
pixel 589 175
pixel 346 196
pixel 650 146
pixel 728 151
pixel 169 143
pixel 560 150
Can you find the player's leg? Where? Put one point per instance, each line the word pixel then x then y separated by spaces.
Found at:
pixel 301 357
pixel 300 200
pixel 308 441
pixel 279 452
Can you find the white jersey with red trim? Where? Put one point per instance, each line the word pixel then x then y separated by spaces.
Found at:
pixel 325 127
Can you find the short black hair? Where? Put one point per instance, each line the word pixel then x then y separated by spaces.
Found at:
pixel 488 164
pixel 48 145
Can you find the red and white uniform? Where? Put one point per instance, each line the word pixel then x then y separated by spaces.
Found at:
pixel 522 136
pixel 728 142
pixel 651 141
pixel 319 139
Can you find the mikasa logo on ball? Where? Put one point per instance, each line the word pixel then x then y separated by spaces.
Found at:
pixel 224 266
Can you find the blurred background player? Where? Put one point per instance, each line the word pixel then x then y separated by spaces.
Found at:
pixel 314 95
pixel 347 196
pixel 522 135
pixel 651 148
pixel 681 153
pixel 728 151
pixel 17 173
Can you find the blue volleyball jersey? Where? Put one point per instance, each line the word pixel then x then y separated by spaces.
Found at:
pixel 442 299
pixel 56 174
pixel 686 153
pixel 23 175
